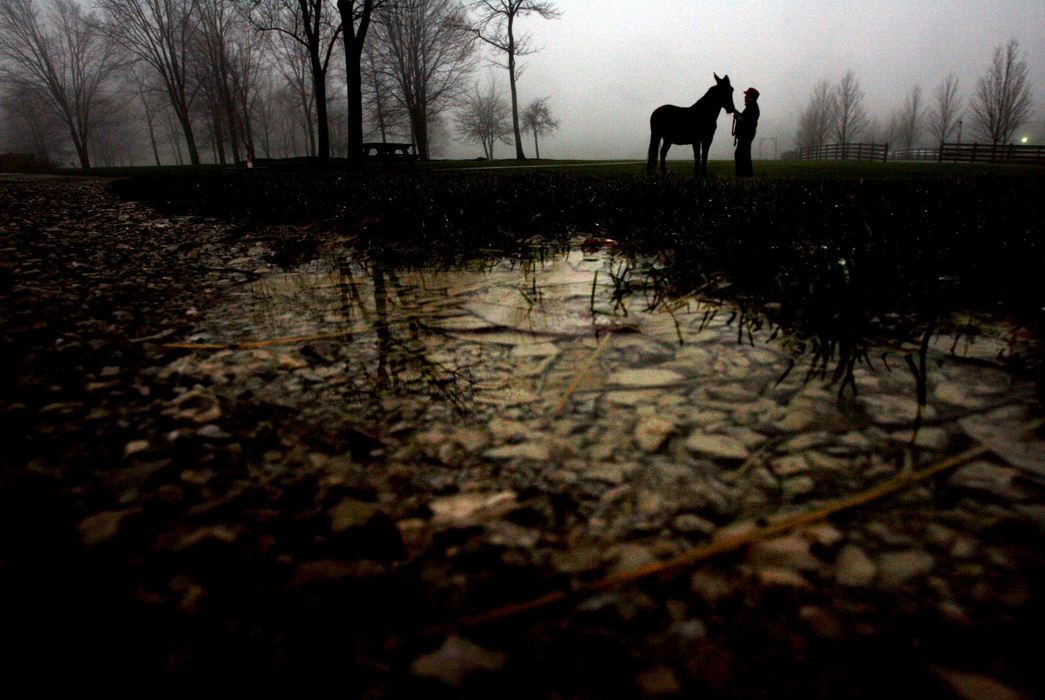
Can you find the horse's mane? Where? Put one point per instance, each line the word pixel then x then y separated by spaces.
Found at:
pixel 706 97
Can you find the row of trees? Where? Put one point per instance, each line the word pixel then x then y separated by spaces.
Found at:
pixel 260 77
pixel 1000 105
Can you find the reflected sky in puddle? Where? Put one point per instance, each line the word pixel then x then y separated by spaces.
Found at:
pixel 548 363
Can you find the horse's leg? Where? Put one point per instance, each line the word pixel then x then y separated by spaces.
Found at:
pixel 704 158
pixel 664 157
pixel 696 159
pixel 651 161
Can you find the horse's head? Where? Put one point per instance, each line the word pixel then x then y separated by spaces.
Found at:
pixel 724 93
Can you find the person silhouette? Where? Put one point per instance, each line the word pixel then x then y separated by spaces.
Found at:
pixel 744 126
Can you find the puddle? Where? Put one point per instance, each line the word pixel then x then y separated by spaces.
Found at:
pixel 541 363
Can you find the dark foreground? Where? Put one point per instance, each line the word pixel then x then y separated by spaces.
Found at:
pixel 164 526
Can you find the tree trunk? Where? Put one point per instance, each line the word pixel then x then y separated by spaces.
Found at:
pixel 322 125
pixel 419 121
pixel 353 67
pixel 81 153
pixel 536 148
pixel 515 97
pixel 190 138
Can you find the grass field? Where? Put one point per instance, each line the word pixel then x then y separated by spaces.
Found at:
pixel 723 169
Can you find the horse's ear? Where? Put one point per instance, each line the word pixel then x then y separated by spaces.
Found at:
pixel 717 79
pixel 725 79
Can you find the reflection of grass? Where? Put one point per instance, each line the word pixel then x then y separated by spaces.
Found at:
pixel 839 254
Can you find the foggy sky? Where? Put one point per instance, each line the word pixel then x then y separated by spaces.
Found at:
pixel 606 64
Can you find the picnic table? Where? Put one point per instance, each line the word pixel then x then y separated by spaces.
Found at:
pixel 382 149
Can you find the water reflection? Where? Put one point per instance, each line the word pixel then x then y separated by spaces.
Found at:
pixel 579 334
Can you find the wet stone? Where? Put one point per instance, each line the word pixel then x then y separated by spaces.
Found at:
pixel 690 524
pixel 456 660
pixel 853 567
pixel 717 446
pixel 651 377
pixel 650 433
pixel 898 568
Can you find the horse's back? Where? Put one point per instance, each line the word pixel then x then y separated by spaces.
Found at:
pixel 676 124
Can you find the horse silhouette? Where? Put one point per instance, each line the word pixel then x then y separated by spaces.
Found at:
pixel 689 125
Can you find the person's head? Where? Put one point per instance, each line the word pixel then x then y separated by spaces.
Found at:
pixel 750 95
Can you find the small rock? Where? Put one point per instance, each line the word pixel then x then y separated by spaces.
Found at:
pixel 648 377
pixel 853 567
pixel 774 576
pixel 822 623
pixel 796 486
pixel 823 534
pixel 689 631
pixel 972 686
pixel 212 432
pixel 794 420
pixel 659 681
pixel 789 552
pixel 709 587
pixel 629 556
pixel 134 447
pixel 350 513
pixel 690 524
pixel 209 534
pixel 717 446
pixel 457 659
pixel 609 473
pixel 789 465
pixel 650 433
pixel 927 438
pixel 536 451
pixel 897 568
pixel 988 478
pixel 464 507
pixel 101 527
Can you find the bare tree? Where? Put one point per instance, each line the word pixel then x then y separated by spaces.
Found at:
pixel 383 113
pixel 315 26
pixel 427 53
pixel 1002 100
pixel 162 34
pixel 495 25
pixel 229 64
pixel 908 121
pixel 293 65
pixel 30 126
pixel 537 119
pixel 220 28
pixel 944 116
pixel 814 124
pixel 62 59
pixel 356 16
pixel 850 118
pixel 485 118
